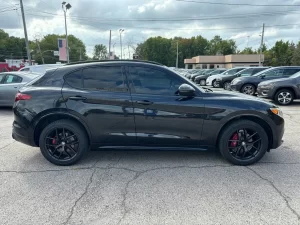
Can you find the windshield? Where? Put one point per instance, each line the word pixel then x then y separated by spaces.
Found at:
pixel 230 72
pixel 295 75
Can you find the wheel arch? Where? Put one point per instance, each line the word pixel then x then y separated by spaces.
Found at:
pixel 43 121
pixel 252 118
pixel 287 88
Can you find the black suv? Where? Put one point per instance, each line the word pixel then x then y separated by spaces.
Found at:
pixel 139 105
pixel 248 85
pixel 283 91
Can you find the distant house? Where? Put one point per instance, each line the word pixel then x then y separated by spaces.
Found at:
pixel 223 61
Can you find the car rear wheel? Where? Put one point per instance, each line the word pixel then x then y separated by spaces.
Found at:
pixel 243 142
pixel 215 84
pixel 284 97
pixel 202 82
pixel 226 86
pixel 63 142
pixel 248 89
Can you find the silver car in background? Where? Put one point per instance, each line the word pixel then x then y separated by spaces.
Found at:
pixel 10 82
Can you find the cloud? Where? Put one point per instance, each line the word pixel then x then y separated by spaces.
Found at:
pixel 91 20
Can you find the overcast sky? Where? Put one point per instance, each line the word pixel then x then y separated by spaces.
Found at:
pixel 91 20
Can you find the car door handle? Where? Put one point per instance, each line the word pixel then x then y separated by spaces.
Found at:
pixel 145 102
pixel 16 87
pixel 77 98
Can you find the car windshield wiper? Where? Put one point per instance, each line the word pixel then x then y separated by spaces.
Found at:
pixel 207 89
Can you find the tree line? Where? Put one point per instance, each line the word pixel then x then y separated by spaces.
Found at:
pixel 159 49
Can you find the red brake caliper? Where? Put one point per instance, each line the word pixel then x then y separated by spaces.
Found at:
pixel 54 141
pixel 234 137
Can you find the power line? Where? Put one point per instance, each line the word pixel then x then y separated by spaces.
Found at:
pixel 235 4
pixel 217 17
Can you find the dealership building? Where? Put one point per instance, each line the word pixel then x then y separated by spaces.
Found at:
pixel 223 61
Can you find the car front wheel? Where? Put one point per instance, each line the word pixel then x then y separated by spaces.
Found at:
pixel 248 89
pixel 202 82
pixel 243 142
pixel 227 86
pixel 63 142
pixel 284 97
pixel 215 84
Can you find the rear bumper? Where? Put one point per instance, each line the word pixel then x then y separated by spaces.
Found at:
pixel 22 135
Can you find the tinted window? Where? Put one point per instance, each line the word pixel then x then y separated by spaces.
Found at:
pixel 10 79
pixel 290 71
pixel 246 72
pixel 98 78
pixel 1 77
pixel 256 70
pixel 273 73
pixel 25 69
pixel 151 81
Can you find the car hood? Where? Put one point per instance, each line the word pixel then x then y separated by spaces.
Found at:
pixel 286 80
pixel 242 97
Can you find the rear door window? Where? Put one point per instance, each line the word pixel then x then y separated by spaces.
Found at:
pixel 1 77
pixel 290 71
pixel 103 78
pixel 11 79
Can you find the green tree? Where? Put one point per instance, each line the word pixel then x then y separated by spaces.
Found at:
pixel 296 55
pixel 248 50
pixel 280 54
pixel 100 52
pixel 49 43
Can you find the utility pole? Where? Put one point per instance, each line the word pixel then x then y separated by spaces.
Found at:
pixel 261 43
pixel 109 45
pixel 177 56
pixel 38 44
pixel 65 6
pixel 25 33
pixel 128 52
pixel 80 54
pixel 121 30
pixel 248 41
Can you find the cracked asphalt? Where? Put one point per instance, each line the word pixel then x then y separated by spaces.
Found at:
pixel 150 187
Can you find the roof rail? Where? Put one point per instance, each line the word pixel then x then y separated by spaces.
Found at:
pixel 114 60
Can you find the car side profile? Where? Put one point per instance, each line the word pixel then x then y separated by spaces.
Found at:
pixel 248 85
pixel 10 82
pixel 282 91
pixel 201 79
pixel 225 81
pixel 127 104
pixel 212 80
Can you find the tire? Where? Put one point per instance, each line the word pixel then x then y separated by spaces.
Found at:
pixel 226 86
pixel 234 154
pixel 284 97
pixel 202 82
pixel 67 139
pixel 215 84
pixel 248 89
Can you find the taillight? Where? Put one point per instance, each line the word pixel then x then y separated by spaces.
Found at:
pixel 20 96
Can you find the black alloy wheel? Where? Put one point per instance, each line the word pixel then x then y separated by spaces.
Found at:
pixel 63 142
pixel 243 142
pixel 248 89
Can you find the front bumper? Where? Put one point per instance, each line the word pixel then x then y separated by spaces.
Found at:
pixel 236 87
pixel 265 92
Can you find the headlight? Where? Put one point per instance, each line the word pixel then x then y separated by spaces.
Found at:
pixel 267 86
pixel 277 111
pixel 235 81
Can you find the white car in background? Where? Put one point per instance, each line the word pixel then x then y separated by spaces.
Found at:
pixel 211 81
pixel 39 68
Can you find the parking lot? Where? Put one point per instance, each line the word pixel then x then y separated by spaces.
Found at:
pixel 150 187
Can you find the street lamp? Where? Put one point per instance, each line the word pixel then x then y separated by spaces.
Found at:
pixel 65 6
pixel 121 31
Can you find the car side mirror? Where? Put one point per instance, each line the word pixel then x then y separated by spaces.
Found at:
pixel 186 90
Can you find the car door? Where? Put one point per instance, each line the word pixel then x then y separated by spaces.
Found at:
pixel 100 96
pixel 8 89
pixel 162 117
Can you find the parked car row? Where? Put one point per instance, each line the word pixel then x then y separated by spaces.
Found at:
pixel 281 84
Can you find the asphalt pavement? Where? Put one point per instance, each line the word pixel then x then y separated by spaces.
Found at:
pixel 150 187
